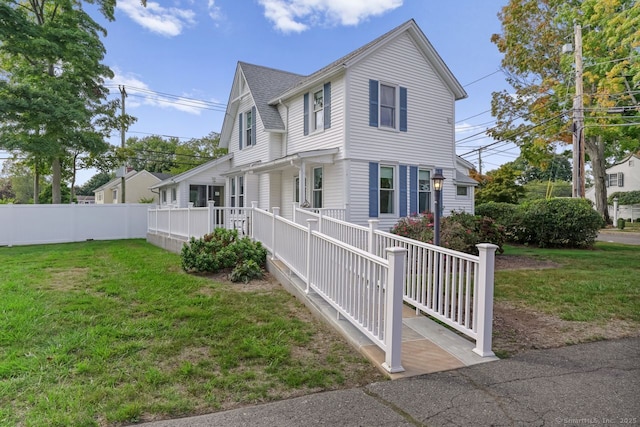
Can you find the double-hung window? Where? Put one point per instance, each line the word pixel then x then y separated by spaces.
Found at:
pixel 317 187
pixel 317 109
pixel 233 193
pixel 387 106
pixel 387 189
pixel 296 189
pixel 424 191
pixel 317 122
pixel 248 130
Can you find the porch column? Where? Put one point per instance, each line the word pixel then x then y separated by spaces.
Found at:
pixel 301 182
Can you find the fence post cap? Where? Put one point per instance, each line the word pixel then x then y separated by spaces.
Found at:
pixel 487 246
pixel 397 250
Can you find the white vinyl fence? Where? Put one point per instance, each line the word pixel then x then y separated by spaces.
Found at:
pixel 40 224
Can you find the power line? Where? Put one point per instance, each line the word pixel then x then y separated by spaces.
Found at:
pixel 483 77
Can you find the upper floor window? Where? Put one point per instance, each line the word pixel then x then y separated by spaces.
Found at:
pixel 387 106
pixel 317 109
pixel 615 180
pixel 247 128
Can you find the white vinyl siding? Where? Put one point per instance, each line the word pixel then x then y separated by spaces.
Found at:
pixel 329 138
pixel 430 109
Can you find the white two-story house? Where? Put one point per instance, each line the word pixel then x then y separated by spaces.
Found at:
pixel 365 133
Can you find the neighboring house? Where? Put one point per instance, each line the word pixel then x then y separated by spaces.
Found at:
pixel 623 176
pixel 137 187
pixel 365 133
pixel 86 200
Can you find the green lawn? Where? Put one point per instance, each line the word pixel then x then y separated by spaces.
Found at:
pixel 104 333
pixel 590 285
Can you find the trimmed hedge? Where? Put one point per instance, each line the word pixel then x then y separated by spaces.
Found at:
pixel 625 197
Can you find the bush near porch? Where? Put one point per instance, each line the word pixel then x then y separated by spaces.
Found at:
pixel 459 231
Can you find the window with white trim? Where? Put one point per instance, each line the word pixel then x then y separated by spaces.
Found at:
pixel 248 128
pixel 424 191
pixel 317 121
pixel 240 191
pixel 387 106
pixel 296 189
pixel 115 195
pixel 174 195
pixel 163 197
pixel 317 187
pixel 462 191
pixel 387 190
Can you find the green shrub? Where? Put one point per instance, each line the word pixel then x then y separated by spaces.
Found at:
pixel 558 223
pixel 625 197
pixel 459 231
pixel 620 224
pixel 220 250
pixel 504 214
pixel 246 272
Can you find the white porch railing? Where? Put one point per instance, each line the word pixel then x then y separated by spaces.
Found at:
pixel 354 282
pixel 453 287
pixel 184 223
pixel 363 272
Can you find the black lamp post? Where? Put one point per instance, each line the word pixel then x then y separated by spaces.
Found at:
pixel 438 180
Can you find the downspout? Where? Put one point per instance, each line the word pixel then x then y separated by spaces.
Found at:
pixel 285 141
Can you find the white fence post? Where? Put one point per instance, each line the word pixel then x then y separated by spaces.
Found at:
pixel 212 216
pixel 393 315
pixel 169 221
pixel 254 206
pixel 276 212
pixel 373 226
pixel 484 290
pixel 312 225
pixel 295 208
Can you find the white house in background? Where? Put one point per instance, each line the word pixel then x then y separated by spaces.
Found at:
pixel 623 176
pixel 136 187
pixel 365 134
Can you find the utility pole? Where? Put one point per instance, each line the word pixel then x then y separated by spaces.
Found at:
pixel 480 160
pixel 123 94
pixel 578 120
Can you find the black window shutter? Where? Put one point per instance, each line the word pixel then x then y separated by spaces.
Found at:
pixel 327 105
pixel 402 182
pixel 373 103
pixel 620 179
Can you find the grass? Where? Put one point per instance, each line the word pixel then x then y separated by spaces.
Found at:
pixel 590 285
pixel 106 333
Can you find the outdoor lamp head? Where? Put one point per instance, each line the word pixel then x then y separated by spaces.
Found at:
pixel 437 179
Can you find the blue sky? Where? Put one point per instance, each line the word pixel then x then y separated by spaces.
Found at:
pixel 177 58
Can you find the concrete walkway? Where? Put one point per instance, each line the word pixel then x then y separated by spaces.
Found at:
pixel 596 383
pixel 615 236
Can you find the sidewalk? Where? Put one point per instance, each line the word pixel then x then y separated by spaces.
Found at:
pixel 617 236
pixel 595 383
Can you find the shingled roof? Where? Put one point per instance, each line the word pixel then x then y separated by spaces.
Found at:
pixel 267 83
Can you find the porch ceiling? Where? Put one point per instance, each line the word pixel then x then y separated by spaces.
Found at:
pixel 325 156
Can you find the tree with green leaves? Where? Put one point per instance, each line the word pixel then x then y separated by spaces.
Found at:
pixel 538 115
pixel 157 154
pixel 53 100
pixel 555 167
pixel 97 180
pixel 500 185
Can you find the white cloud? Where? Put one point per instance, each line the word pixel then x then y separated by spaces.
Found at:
pixel 140 95
pixel 214 11
pixel 298 15
pixel 156 18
